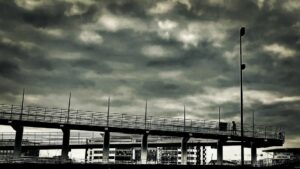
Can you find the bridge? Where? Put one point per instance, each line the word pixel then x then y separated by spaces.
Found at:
pixel 19 116
pixel 78 140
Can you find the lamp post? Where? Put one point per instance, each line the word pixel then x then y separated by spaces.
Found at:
pixel 242 67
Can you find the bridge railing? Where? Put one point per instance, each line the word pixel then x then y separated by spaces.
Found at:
pixel 79 138
pixel 121 120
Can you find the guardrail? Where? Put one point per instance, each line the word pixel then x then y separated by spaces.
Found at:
pixel 121 120
pixel 78 138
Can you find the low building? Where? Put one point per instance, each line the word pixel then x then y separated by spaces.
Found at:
pixel 283 156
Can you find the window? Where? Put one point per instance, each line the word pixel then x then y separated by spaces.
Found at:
pixel 97 157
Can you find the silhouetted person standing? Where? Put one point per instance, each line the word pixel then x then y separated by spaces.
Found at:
pixel 233 131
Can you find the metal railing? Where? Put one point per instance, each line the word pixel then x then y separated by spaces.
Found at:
pixel 78 138
pixel 126 121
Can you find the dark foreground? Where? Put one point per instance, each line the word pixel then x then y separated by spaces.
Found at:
pixel 121 166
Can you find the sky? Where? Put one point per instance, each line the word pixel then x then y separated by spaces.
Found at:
pixel 171 53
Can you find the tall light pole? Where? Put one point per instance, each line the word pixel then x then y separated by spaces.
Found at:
pixel 242 67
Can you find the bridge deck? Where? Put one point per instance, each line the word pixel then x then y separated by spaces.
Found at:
pixel 79 140
pixel 116 122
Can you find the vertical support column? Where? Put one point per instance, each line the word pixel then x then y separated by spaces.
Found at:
pixel 253 154
pixel 106 146
pixel 86 152
pixel 144 148
pixel 198 156
pixel 66 141
pixel 184 150
pixel 220 152
pixel 203 155
pixel 18 140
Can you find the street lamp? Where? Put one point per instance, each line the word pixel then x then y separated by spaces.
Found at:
pixel 242 67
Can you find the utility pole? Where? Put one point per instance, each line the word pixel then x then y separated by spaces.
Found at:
pixel 22 105
pixel 69 105
pixel 108 109
pixel 146 107
pixel 242 67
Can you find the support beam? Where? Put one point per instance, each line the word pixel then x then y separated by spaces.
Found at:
pixel 184 150
pixel 106 141
pixel 220 152
pixel 253 154
pixel 203 155
pixel 144 148
pixel 18 140
pixel 66 142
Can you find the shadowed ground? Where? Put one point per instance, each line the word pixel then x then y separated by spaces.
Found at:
pixel 97 166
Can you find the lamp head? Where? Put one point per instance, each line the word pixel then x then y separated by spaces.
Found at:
pixel 242 31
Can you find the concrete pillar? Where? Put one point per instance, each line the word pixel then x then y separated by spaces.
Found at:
pixel 253 154
pixel 144 148
pixel 18 140
pixel 203 155
pixel 66 142
pixel 106 141
pixel 220 152
pixel 184 150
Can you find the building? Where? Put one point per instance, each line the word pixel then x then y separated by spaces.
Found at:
pixel 155 155
pixel 8 154
pixel 96 155
pixel 193 156
pixel 282 156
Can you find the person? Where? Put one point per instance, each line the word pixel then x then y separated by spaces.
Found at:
pixel 233 128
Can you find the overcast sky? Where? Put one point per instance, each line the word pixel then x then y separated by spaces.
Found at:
pixel 168 52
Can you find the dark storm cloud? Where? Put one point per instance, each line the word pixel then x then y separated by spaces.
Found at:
pixel 179 51
pixel 8 69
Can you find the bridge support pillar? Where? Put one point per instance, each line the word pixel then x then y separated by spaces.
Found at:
pixel 144 148
pixel 253 154
pixel 220 152
pixel 18 140
pixel 184 150
pixel 106 146
pixel 66 142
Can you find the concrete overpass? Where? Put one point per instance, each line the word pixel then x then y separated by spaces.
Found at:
pixel 19 116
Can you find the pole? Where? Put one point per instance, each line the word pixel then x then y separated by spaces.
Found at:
pixel 184 117
pixel 242 66
pixel 219 116
pixel 146 107
pixel 69 105
pixel 108 107
pixel 22 106
pixel 253 123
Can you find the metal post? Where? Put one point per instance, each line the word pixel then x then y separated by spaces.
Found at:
pixel 45 115
pixel 219 116
pixel 122 120
pixel 136 121
pixel 22 105
pixel 242 67
pixel 69 105
pixel 60 115
pixel 108 109
pixel 253 124
pixel 184 118
pixel 11 111
pixel 146 115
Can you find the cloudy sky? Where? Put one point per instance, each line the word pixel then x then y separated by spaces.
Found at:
pixel 169 52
